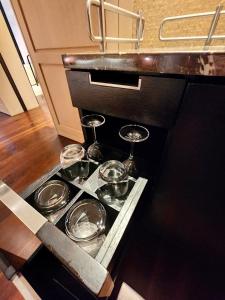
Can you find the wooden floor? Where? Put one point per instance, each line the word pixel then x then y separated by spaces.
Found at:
pixel 29 147
pixel 7 290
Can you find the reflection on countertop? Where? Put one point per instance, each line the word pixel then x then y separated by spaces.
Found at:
pixel 194 61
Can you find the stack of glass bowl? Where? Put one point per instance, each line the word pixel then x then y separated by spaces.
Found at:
pixel 85 224
pixel 51 196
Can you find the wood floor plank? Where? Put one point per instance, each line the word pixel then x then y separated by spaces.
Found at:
pixel 29 147
pixel 7 290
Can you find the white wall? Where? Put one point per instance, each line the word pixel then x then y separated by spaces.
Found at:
pixel 16 69
pixel 3 108
pixel 15 28
pixel 9 101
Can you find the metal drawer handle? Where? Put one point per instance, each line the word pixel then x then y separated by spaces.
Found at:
pixel 114 85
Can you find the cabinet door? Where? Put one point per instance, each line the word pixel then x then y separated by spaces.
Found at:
pixel 189 200
pixel 55 27
pixel 52 28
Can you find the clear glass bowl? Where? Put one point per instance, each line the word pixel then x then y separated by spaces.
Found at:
pixel 113 171
pixel 110 192
pixel 52 196
pixel 85 220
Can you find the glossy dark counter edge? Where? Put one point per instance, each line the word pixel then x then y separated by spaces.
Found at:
pixel 202 63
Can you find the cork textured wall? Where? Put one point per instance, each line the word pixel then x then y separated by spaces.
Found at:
pixel 155 11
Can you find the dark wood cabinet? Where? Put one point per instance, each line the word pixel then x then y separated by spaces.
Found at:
pixel 179 251
pixel 150 100
pixel 176 244
pixel 191 190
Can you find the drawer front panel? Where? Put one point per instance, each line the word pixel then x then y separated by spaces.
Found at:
pixel 151 100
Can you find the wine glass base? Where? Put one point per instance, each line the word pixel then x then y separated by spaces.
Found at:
pixel 94 152
pixel 131 167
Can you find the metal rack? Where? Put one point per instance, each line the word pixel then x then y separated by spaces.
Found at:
pixel 102 5
pixel 208 38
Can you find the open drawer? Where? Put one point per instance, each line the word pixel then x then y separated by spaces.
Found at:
pixel 119 216
pixel 90 271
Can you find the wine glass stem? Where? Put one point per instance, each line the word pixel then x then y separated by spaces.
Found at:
pixel 131 151
pixel 94 134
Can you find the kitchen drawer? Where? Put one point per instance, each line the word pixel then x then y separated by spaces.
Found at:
pixel 92 271
pixel 117 215
pixel 147 99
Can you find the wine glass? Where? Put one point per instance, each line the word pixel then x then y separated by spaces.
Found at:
pixel 133 134
pixel 94 151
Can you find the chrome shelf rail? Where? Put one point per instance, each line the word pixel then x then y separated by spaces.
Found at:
pixel 103 38
pixel 208 38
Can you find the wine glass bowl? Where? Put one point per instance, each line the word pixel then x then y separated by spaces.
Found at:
pixel 134 133
pixel 83 169
pixel 94 152
pixel 92 121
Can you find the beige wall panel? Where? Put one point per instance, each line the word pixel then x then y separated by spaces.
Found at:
pixel 125 25
pixel 3 108
pixel 119 26
pixel 67 115
pixel 155 11
pixel 12 60
pixel 112 26
pixel 8 96
pixel 56 23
